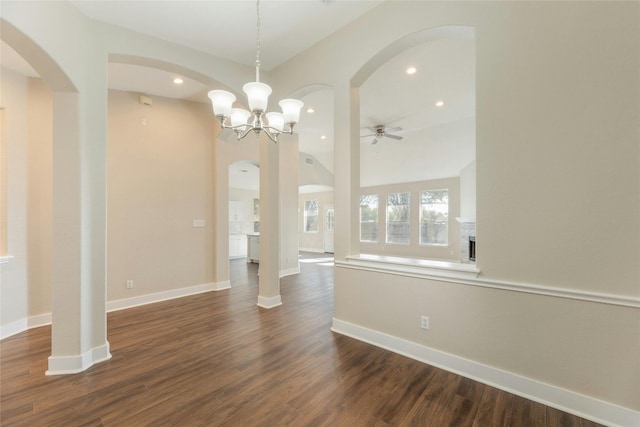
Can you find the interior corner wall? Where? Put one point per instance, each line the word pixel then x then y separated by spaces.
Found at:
pixel 160 178
pixel 25 281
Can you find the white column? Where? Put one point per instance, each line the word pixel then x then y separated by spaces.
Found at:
pixel 269 270
pixel 78 335
pixel 346 170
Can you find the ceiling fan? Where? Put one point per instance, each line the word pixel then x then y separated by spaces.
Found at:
pixel 380 131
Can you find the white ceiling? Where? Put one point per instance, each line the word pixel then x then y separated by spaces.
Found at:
pixel 437 142
pixel 228 28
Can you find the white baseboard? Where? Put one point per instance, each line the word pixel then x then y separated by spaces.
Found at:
pixel 270 302
pixel 122 304
pixel 39 320
pixel 13 328
pixel 44 319
pixel 62 365
pixel 221 286
pixel 290 271
pixel 22 325
pixel 314 250
pixel 562 399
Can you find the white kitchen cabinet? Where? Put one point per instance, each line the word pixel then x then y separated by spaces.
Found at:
pixel 253 250
pixel 236 211
pixel 237 245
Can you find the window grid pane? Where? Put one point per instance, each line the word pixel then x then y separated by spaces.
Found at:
pixel 434 217
pixel 369 218
pixel 398 226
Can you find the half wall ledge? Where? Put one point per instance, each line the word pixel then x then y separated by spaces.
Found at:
pixel 413 266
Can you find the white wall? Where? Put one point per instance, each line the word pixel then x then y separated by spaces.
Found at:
pixel 468 191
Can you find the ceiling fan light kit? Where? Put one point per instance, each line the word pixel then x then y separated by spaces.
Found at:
pixel 380 131
pixel 241 121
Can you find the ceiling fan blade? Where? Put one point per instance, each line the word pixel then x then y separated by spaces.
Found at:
pixel 397 129
pixel 375 141
pixel 392 136
pixel 364 136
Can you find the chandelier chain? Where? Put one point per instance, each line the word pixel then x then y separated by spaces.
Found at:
pixel 258 35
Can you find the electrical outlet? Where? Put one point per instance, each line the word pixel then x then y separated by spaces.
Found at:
pixel 424 322
pixel 129 284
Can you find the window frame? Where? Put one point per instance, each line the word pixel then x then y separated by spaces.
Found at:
pixel 375 222
pixel 408 219
pixel 421 222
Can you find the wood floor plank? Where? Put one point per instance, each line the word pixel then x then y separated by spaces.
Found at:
pixel 216 359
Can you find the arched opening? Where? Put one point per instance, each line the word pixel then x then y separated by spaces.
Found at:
pixel 78 332
pixel 417 147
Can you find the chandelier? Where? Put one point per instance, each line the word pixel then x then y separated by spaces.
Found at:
pixel 242 121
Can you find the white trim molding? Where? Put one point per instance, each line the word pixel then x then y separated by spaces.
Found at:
pixel 312 250
pixel 547 394
pixel 221 286
pixel 467 274
pixel 269 302
pixel 5 259
pixel 22 325
pixel 13 328
pixel 122 304
pixel 62 365
pixel 290 271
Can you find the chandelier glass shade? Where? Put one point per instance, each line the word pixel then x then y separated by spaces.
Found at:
pixel 257 120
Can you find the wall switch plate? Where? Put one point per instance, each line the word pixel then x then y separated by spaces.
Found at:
pixel 129 284
pixel 424 322
pixel 198 222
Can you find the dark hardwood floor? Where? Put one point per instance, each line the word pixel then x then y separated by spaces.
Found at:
pixel 216 359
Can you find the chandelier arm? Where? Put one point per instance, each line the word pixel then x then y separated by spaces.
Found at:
pixel 272 138
pixel 246 132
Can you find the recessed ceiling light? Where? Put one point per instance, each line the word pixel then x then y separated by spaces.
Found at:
pixel 411 70
pixel 178 81
pixel 310 110
pixel 439 103
pixel 323 136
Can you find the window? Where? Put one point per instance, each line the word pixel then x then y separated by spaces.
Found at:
pixel 369 218
pixel 434 217
pixel 311 216
pixel 398 218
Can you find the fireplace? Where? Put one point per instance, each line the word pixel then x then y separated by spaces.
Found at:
pixel 467 240
pixel 472 248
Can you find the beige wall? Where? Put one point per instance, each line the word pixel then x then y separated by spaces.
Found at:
pixel 557 168
pixel 160 179
pixel 25 281
pixel 313 241
pixel 451 252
